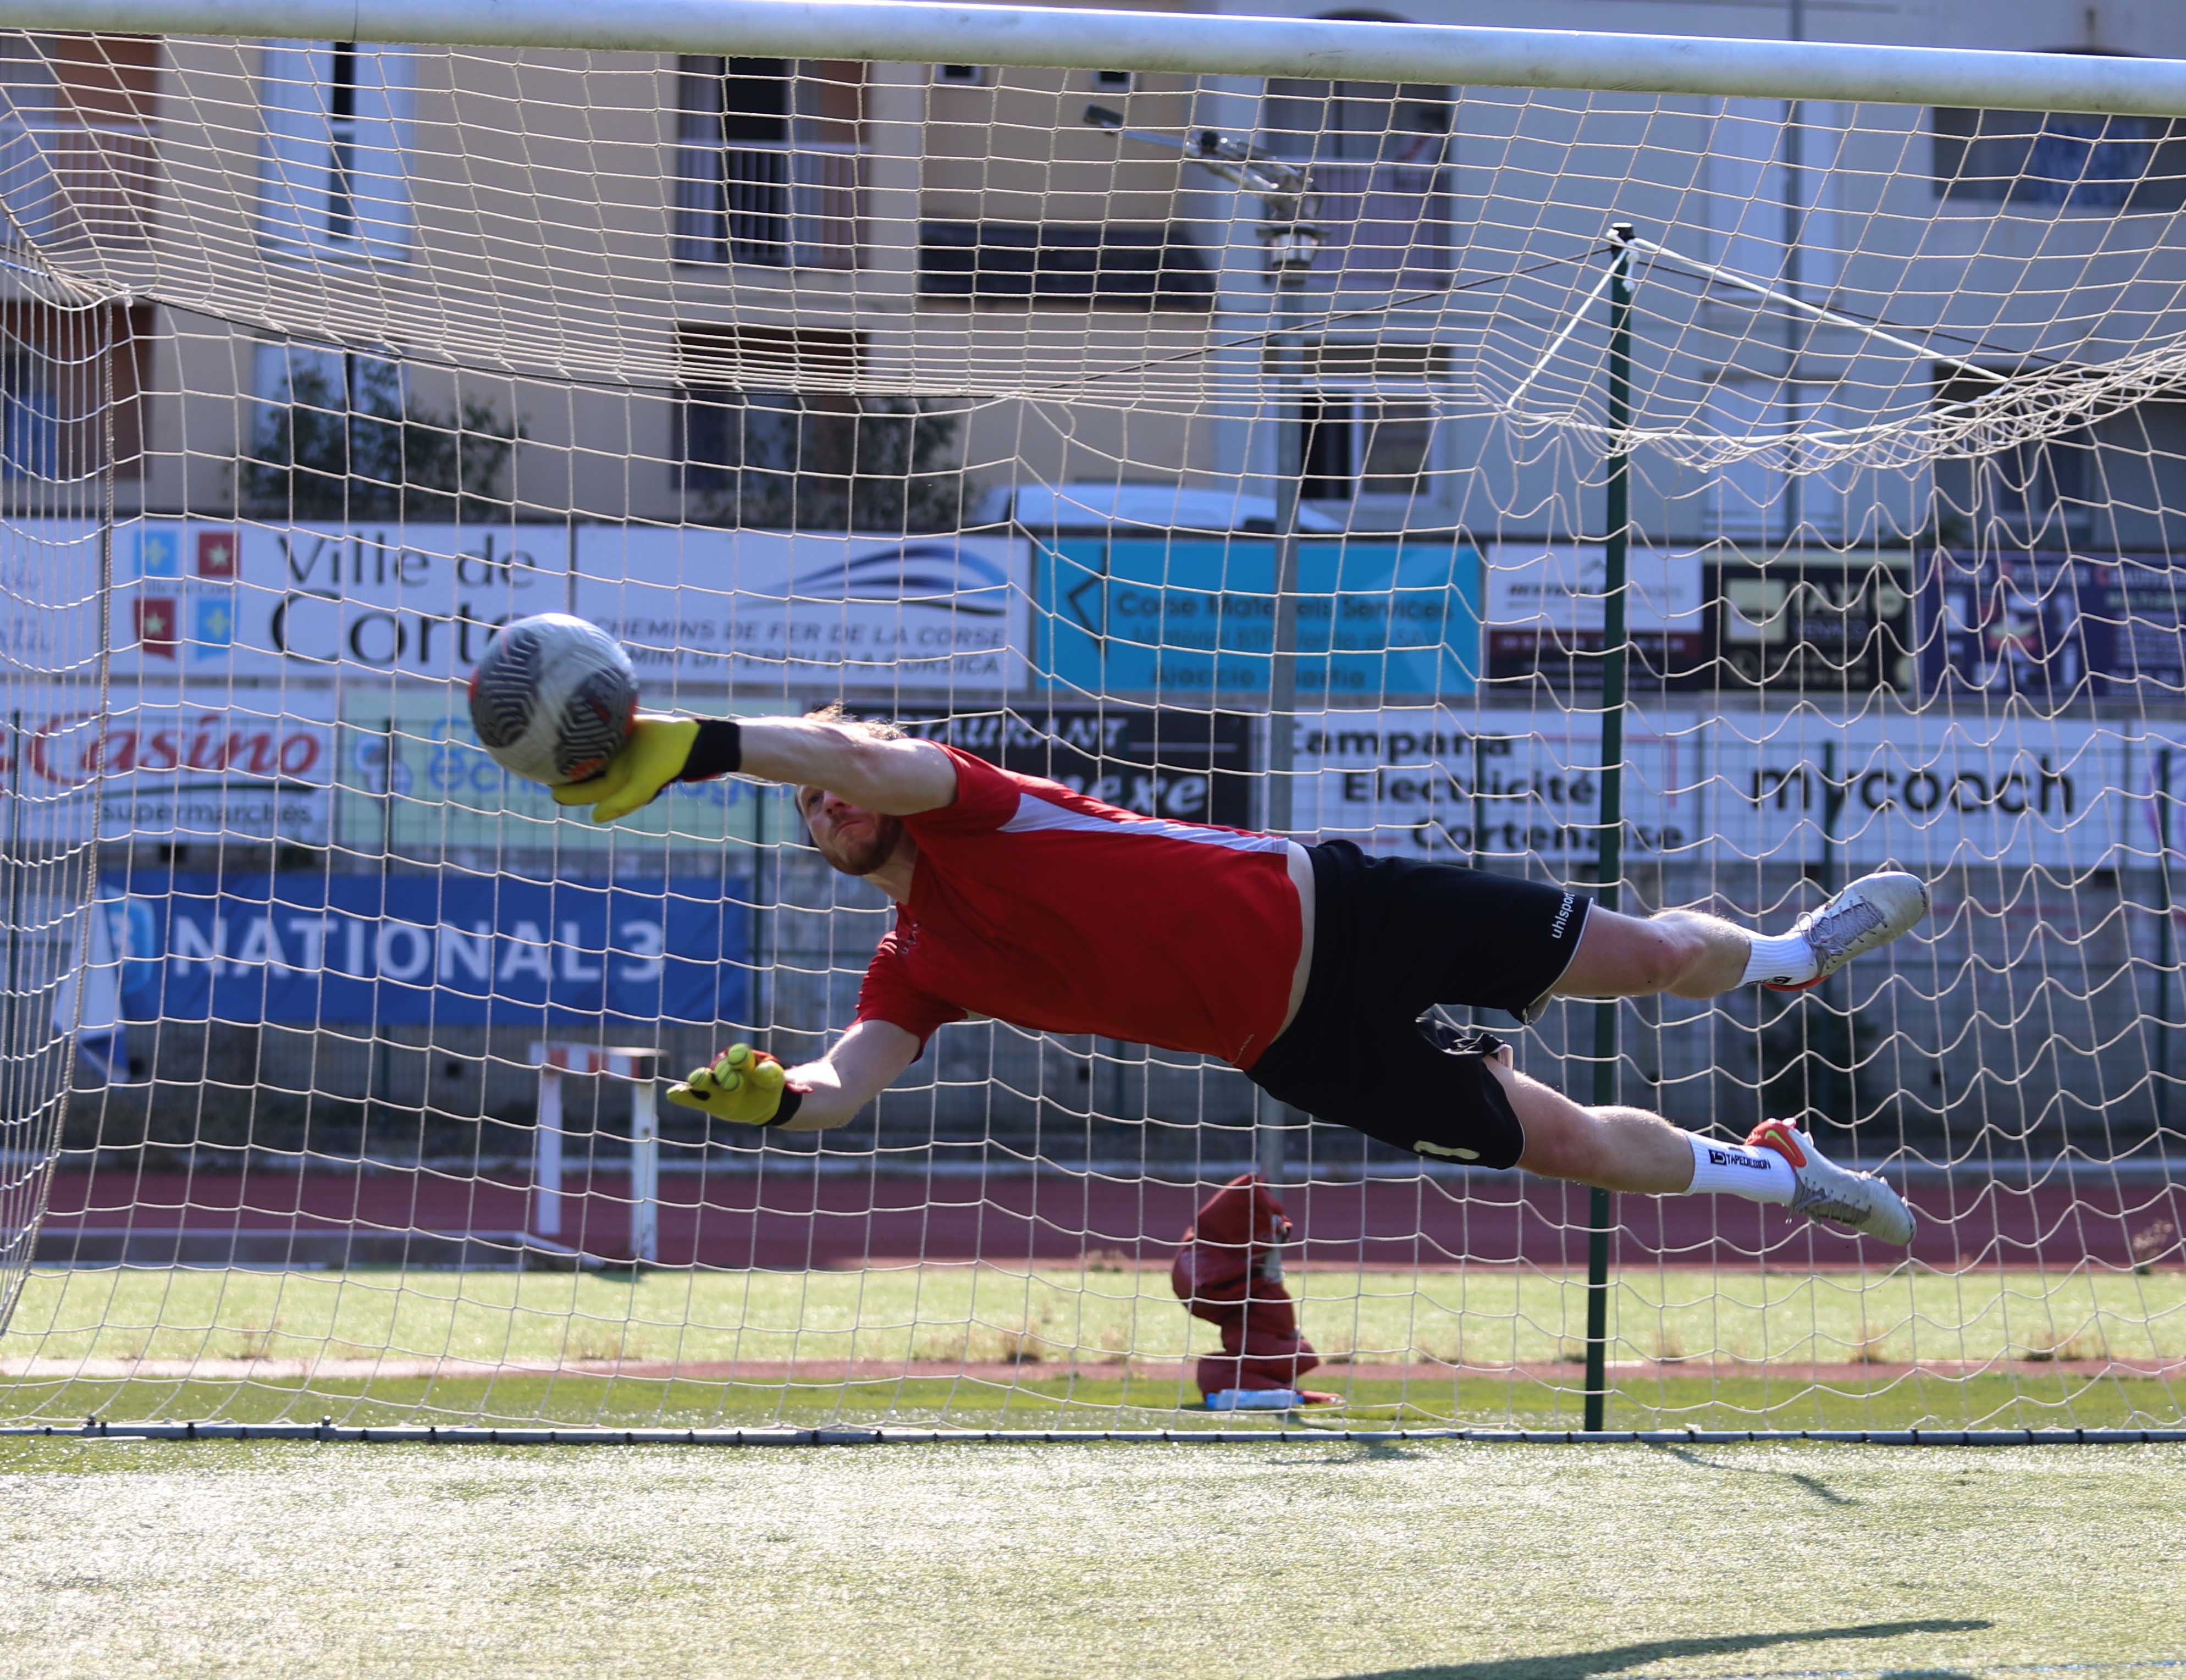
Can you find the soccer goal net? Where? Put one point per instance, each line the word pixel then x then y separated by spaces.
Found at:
pixel 1695 498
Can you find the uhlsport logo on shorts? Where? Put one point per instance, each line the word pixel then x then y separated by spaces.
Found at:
pixel 1563 916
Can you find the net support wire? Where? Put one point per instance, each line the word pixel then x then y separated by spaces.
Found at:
pixel 474 1434
pixel 1827 316
pixel 913 31
pixel 1623 434
pixel 2003 384
pixel 1625 238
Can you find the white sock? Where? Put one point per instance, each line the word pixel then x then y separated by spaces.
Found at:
pixel 1786 959
pixel 1733 1169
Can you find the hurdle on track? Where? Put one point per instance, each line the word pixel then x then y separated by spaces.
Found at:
pixel 558 1059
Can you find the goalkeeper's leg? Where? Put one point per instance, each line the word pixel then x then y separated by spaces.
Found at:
pixel 1630 1149
pixel 1691 955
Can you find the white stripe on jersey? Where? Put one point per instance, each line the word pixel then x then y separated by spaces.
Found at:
pixel 1036 813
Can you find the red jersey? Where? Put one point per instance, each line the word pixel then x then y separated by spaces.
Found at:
pixel 1052 911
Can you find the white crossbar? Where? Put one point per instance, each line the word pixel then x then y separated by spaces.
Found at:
pixel 906 31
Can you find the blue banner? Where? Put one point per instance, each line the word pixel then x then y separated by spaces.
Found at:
pixel 1393 620
pixel 454 948
pixel 2052 628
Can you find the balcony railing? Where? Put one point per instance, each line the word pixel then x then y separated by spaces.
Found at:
pixel 779 205
pixel 70 183
pixel 1387 225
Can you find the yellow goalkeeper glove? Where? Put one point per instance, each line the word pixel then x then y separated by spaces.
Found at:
pixel 654 755
pixel 743 1085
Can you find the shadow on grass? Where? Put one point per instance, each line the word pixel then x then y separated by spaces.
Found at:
pixel 1583 1664
pixel 1813 1484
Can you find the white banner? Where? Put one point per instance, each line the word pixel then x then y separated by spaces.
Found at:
pixel 1562 586
pixel 49 604
pixel 911 615
pixel 198 599
pixel 172 771
pixel 1924 793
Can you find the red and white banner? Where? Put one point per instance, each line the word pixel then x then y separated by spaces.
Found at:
pixel 161 769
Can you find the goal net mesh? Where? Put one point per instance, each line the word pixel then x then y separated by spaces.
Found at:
pixel 999 403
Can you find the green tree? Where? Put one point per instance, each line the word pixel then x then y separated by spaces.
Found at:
pixel 362 446
pixel 877 464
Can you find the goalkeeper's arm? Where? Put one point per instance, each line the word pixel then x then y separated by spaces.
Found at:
pixel 897 778
pixel 748 1087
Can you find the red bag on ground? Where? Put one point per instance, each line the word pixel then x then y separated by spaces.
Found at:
pixel 1228 1271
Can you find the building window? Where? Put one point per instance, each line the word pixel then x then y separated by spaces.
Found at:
pixel 1378 153
pixel 773 437
pixel 1365 446
pixel 340 435
pixel 72 391
pixel 2060 159
pixel 338 133
pixel 77 163
pixel 963 76
pixel 1101 265
pixel 1369 424
pixel 767 162
pixel 30 416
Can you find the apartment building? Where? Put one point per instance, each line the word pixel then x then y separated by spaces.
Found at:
pixel 747 291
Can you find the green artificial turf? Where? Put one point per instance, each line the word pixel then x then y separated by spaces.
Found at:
pixel 1399 1562
pixel 1482 1316
pixel 1083 1348
pixel 2054 1400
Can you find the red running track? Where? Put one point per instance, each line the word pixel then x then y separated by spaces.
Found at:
pixel 793 1219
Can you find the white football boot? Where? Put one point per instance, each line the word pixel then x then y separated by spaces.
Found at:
pixel 1871 912
pixel 1858 1202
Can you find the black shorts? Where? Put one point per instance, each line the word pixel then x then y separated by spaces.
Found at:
pixel 1394 936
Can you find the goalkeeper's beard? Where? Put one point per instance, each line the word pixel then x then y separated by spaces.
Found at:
pixel 864 854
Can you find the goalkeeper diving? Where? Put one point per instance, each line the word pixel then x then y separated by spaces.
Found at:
pixel 1311 968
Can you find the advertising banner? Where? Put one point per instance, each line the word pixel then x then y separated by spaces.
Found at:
pixel 1192 621
pixel 165 770
pixel 1186 766
pixel 1498 785
pixel 193 597
pixel 49 604
pixel 201 598
pixel 415 780
pixel 1720 789
pixel 1812 624
pixel 911 615
pixel 2052 627
pixel 305 948
pixel 1545 606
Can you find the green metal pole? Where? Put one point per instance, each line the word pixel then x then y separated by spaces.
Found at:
pixel 2165 937
pixel 1839 1099
pixel 1609 869
pixel 1281 364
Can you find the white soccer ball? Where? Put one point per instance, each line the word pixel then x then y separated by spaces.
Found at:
pixel 553 697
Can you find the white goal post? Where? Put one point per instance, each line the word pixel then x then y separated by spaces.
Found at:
pixel 1692 471
pixel 1194 42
